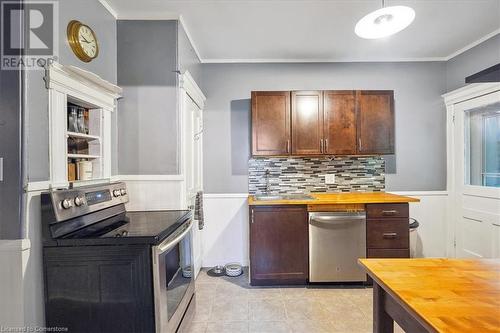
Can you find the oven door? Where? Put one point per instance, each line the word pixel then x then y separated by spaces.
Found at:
pixel 173 278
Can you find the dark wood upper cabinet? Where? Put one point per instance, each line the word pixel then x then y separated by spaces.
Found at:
pixel 307 122
pixel 334 122
pixel 279 245
pixel 375 122
pixel 340 122
pixel 270 123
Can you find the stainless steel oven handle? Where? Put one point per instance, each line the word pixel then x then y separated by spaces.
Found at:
pixel 167 245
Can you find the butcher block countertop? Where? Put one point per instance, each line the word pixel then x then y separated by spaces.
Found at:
pixel 338 199
pixel 443 295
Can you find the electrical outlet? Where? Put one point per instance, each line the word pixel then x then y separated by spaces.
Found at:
pixel 329 179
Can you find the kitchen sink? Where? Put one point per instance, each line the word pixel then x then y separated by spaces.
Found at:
pixel 270 197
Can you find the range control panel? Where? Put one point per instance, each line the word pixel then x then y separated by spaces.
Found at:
pixel 71 203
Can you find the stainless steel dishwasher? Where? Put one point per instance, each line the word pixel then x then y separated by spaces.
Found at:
pixel 336 241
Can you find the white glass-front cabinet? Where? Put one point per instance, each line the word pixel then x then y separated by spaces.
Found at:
pixel 80 107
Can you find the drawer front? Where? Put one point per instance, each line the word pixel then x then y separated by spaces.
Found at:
pixel 387 234
pixel 388 253
pixel 387 210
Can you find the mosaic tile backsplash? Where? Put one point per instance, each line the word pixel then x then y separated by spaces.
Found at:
pixel 304 175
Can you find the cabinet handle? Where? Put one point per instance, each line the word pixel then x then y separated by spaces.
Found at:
pixel 321 145
pixel 390 235
pixel 287 146
pixel 251 216
pixel 359 144
pixel 326 146
pixel 389 212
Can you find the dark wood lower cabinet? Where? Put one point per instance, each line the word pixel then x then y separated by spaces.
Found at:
pixel 388 253
pixel 279 251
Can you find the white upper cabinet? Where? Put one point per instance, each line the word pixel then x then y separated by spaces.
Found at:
pixel 80 106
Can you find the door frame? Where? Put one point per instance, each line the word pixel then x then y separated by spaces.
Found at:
pixel 456 102
pixel 190 92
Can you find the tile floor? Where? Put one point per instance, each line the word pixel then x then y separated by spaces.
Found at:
pixel 225 304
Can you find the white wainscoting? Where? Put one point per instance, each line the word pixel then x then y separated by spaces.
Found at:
pixel 154 192
pixel 225 237
pixel 431 213
pixel 13 258
pixel 33 298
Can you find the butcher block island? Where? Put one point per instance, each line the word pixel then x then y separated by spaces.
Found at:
pixel 435 295
pixel 287 248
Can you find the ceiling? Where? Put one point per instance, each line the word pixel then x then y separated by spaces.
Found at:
pixel 318 30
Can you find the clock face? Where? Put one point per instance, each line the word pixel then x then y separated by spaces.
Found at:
pixel 82 40
pixel 87 41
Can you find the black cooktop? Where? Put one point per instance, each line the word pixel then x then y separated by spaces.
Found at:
pixel 147 227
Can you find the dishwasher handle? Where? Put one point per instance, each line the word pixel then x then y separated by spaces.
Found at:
pixel 336 217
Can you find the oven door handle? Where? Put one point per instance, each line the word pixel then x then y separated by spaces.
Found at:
pixel 167 245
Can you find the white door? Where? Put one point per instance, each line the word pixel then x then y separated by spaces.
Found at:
pixel 194 168
pixel 475 209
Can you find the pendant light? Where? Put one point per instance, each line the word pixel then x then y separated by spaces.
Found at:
pixel 384 22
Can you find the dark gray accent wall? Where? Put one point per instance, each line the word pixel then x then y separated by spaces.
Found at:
pixel 92 13
pixel 10 151
pixel 150 56
pixel 147 119
pixel 188 60
pixel 472 61
pixel 420 162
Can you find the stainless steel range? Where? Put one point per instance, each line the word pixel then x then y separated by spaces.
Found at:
pixel 109 270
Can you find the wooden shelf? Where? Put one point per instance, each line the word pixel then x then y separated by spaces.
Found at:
pixel 83 136
pixel 90 157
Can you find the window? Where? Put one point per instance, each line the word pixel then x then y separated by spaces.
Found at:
pixel 482 146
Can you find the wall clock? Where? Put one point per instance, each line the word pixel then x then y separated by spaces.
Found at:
pixel 82 40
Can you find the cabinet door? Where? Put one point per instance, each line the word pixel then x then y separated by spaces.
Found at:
pixel 307 123
pixel 375 122
pixel 270 123
pixel 278 245
pixel 340 122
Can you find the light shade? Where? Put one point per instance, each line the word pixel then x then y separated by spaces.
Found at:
pixel 384 22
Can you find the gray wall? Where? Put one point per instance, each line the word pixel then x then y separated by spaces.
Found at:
pixel 148 132
pixel 147 119
pixel 420 115
pixel 95 15
pixel 472 61
pixel 188 60
pixel 10 151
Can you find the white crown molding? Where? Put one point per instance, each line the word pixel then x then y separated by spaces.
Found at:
pixel 82 84
pixel 190 38
pixel 187 83
pixel 323 60
pixel 109 8
pixel 473 44
pixel 470 91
